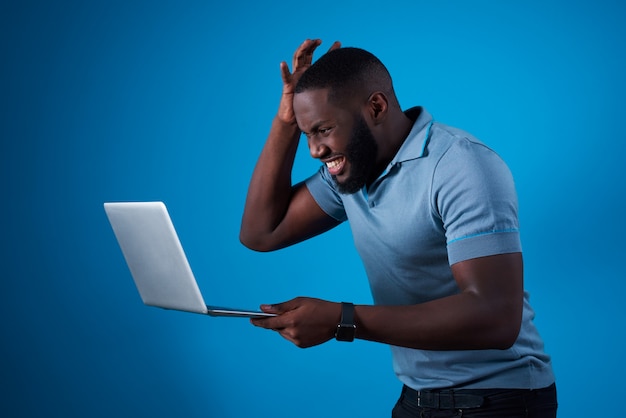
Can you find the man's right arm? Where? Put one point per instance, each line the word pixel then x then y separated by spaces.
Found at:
pixel 278 214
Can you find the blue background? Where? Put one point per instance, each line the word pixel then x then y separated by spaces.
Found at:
pixel 143 100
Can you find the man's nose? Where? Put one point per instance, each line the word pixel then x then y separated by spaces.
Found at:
pixel 317 149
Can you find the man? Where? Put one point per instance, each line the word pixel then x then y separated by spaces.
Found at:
pixel 433 213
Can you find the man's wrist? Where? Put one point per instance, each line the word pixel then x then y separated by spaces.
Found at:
pixel 290 124
pixel 346 329
pixel 285 129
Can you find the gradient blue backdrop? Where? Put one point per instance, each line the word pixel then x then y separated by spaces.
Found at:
pixel 145 100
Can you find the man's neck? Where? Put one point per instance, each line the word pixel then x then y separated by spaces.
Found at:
pixel 398 127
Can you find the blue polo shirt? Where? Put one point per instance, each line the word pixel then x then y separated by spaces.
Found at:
pixel 444 198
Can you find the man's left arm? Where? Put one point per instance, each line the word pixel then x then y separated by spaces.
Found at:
pixel 485 314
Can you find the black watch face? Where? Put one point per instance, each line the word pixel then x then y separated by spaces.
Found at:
pixel 345 333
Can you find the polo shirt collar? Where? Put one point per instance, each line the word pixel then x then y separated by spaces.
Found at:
pixel 414 146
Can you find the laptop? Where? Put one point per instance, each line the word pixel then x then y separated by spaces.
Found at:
pixel 157 262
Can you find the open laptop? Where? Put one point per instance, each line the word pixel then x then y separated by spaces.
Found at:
pixel 157 262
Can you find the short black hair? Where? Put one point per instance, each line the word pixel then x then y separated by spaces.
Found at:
pixel 346 72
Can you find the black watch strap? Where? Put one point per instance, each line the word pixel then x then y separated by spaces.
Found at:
pixel 347 313
pixel 346 328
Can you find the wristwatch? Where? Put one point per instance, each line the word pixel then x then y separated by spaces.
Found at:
pixel 346 327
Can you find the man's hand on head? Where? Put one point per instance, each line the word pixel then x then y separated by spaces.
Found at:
pixel 302 60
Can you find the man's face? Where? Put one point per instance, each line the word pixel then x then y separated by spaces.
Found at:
pixel 339 137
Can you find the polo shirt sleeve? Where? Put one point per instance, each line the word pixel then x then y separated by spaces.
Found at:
pixel 322 188
pixel 474 195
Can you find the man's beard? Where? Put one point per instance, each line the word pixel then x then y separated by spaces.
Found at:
pixel 361 153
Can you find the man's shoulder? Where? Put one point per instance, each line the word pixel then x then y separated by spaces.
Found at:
pixel 451 141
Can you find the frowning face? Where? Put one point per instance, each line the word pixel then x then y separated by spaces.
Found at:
pixel 339 137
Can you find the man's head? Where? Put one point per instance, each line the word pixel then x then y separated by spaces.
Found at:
pixel 346 73
pixel 337 103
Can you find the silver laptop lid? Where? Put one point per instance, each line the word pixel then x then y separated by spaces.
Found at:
pixel 155 255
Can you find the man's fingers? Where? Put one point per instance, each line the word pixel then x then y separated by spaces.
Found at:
pixel 267 323
pixel 335 45
pixel 275 323
pixel 279 321
pixel 281 308
pixel 281 325
pixel 274 308
pixel 285 73
pixel 303 57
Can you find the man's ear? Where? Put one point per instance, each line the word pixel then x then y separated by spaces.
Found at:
pixel 377 107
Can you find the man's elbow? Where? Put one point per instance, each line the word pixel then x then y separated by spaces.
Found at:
pixel 255 243
pixel 506 342
pixel 507 333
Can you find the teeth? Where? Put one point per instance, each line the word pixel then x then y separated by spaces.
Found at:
pixel 333 163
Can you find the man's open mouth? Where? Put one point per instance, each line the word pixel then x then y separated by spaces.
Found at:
pixel 335 166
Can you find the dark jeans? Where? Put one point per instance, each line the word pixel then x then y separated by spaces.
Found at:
pixel 504 403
